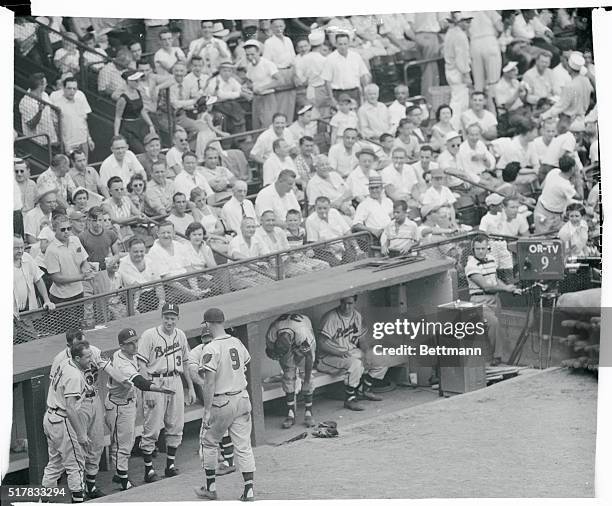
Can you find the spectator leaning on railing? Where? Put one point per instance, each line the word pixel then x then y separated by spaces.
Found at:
pixel 36 115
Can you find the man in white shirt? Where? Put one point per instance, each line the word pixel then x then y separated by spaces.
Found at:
pixel 402 181
pixel 397 110
pixel 457 63
pixel 373 214
pixel 562 144
pixel 122 162
pixel 473 157
pixel 278 197
pixel 438 195
pixel 345 71
pixel 227 89
pixel 265 77
pixel 478 114
pixel 399 236
pixel 196 79
pixel 74 109
pixel 174 156
pixel 167 55
pixel 328 183
pixel 448 158
pixel 220 178
pixel 279 50
pixel 278 161
pixel 209 48
pixel 309 73
pixel 358 180
pixel 484 48
pixel 557 193
pixel 373 115
pixel 539 79
pixel 509 92
pixel 36 115
pixel 237 208
pixel 262 148
pixel 191 177
pixel 561 76
pixel 425 163
pixel 548 132
pixel 325 224
pixel 40 216
pixel 343 155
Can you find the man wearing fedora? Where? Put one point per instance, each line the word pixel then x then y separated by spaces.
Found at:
pixel 457 63
pixel 357 180
pixel 576 96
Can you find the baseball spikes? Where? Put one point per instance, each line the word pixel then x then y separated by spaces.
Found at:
pixel 202 493
pixel 366 394
pixel 170 472
pixel 309 420
pixel 288 422
pixel 244 498
pixel 353 405
pixel 224 469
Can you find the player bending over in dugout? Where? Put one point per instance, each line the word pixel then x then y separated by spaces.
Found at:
pixel 290 340
pixel 339 353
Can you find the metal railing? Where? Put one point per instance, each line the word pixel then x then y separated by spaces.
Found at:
pixel 50 122
pixel 26 154
pixel 182 288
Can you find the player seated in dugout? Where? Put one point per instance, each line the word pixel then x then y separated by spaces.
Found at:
pixel 484 286
pixel 341 350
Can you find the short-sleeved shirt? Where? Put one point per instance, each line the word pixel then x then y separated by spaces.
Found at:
pixel 227 357
pixel 374 213
pixel 24 279
pixel 342 332
pixel 74 119
pixel 344 72
pixel 268 199
pixel 487 268
pixel 333 187
pixel 318 230
pixel 168 59
pixel 402 181
pixel 68 382
pixel 164 353
pixel 343 121
pixel 557 192
pixel 487 121
pixel 400 236
pixel 91 374
pixel 261 74
pixel 66 260
pixel 28 108
pixel 90 180
pixel 127 367
pixel 98 247
pixel 557 147
pixel 299 327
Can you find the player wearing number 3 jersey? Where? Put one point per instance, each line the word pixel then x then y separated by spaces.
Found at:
pixel 227 406
pixel 167 353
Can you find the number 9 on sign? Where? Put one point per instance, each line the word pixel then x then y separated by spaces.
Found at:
pixel 545 262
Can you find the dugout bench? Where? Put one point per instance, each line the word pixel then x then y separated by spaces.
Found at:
pixel 413 289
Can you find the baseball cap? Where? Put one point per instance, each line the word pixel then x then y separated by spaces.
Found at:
pixel 149 138
pixel 304 109
pixel 252 43
pixel 213 315
pixel 576 61
pixel 494 199
pixel 168 308
pixel 316 37
pixel 127 336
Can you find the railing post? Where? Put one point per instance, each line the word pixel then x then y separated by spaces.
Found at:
pixel 35 403
pixel 280 272
pixel 130 301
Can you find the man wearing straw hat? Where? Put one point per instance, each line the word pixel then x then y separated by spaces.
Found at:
pixel 458 63
pixel 373 214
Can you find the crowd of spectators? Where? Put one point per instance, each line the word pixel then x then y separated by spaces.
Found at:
pixel 517 135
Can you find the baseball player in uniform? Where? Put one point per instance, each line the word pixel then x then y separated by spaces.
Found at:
pixel 66 433
pixel 227 406
pixel 167 352
pixel 339 353
pixel 226 447
pixel 91 409
pixel 291 341
pixel 120 403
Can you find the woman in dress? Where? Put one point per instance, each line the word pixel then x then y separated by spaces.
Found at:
pixel 131 118
pixel 444 114
pixel 200 257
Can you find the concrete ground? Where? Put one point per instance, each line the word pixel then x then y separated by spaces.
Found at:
pixel 531 436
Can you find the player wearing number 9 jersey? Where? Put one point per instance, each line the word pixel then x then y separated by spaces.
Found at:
pixel 227 407
pixel 166 349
